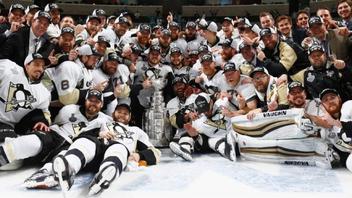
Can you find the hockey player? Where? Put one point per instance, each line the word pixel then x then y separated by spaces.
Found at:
pixel 338 121
pixel 114 77
pixel 175 106
pixel 120 144
pixel 150 75
pixel 23 96
pixel 91 30
pixel 271 93
pixel 237 90
pixel 73 79
pixel 43 146
pixel 207 130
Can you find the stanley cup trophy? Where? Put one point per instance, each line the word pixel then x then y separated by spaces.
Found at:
pixel 155 121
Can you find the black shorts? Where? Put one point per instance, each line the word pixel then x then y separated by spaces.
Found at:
pixel 52 143
pixel 6 131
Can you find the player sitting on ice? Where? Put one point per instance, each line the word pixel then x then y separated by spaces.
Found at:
pixel 44 145
pixel 112 148
pixel 207 129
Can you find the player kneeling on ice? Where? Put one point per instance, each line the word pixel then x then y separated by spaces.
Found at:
pixel 207 129
pixel 111 148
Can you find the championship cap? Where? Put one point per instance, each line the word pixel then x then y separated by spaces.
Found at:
pixel 258 69
pixel 52 6
pixel 326 91
pixel 229 66
pixel 295 84
pixel 42 14
pixel 95 93
pixel 34 56
pixel 68 30
pixel 17 6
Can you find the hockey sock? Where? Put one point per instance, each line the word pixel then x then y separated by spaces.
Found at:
pixel 117 154
pixel 81 152
pixel 22 147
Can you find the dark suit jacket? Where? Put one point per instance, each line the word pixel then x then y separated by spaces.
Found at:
pixel 298 35
pixel 16 46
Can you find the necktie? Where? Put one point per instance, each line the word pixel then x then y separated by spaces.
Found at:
pixel 36 43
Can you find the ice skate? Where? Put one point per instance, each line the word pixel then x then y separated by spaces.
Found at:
pixel 63 173
pixel 180 151
pixel 102 179
pixel 41 179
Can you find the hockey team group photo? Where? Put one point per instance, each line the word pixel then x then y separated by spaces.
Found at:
pixel 93 92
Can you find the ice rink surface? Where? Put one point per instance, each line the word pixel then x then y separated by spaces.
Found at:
pixel 207 176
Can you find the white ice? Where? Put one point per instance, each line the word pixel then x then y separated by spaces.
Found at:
pixel 207 176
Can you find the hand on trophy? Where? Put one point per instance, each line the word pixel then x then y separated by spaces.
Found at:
pixel 147 83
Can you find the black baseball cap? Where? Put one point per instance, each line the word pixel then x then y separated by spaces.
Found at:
pixel 228 19
pixel 191 24
pixel 34 56
pixel 112 56
pixel 175 50
pixel 242 45
pixel 265 32
pixel 155 48
pixel 122 19
pixel 90 17
pixel 315 47
pixel 32 7
pixel 99 12
pixel 315 20
pixel 326 91
pixel 42 14
pixel 145 28
pixel 124 105
pixel 68 30
pixel 112 17
pixel 103 39
pixel 52 6
pixel 95 93
pixel 229 42
pixel 295 84
pixel 203 48
pixel 166 32
pixel 157 27
pixel 258 69
pixel 174 24
pixel 207 57
pixel 17 6
pixel 229 66
pixel 179 78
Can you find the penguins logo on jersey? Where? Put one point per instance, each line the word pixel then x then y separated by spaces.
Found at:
pixel 77 128
pixel 18 97
pixel 122 133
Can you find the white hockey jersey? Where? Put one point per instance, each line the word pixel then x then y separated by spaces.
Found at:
pixel 70 122
pixel 129 136
pixel 70 75
pixel 18 96
pixel 216 126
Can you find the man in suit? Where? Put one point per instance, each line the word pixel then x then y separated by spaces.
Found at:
pixel 287 32
pixel 15 16
pixel 28 40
